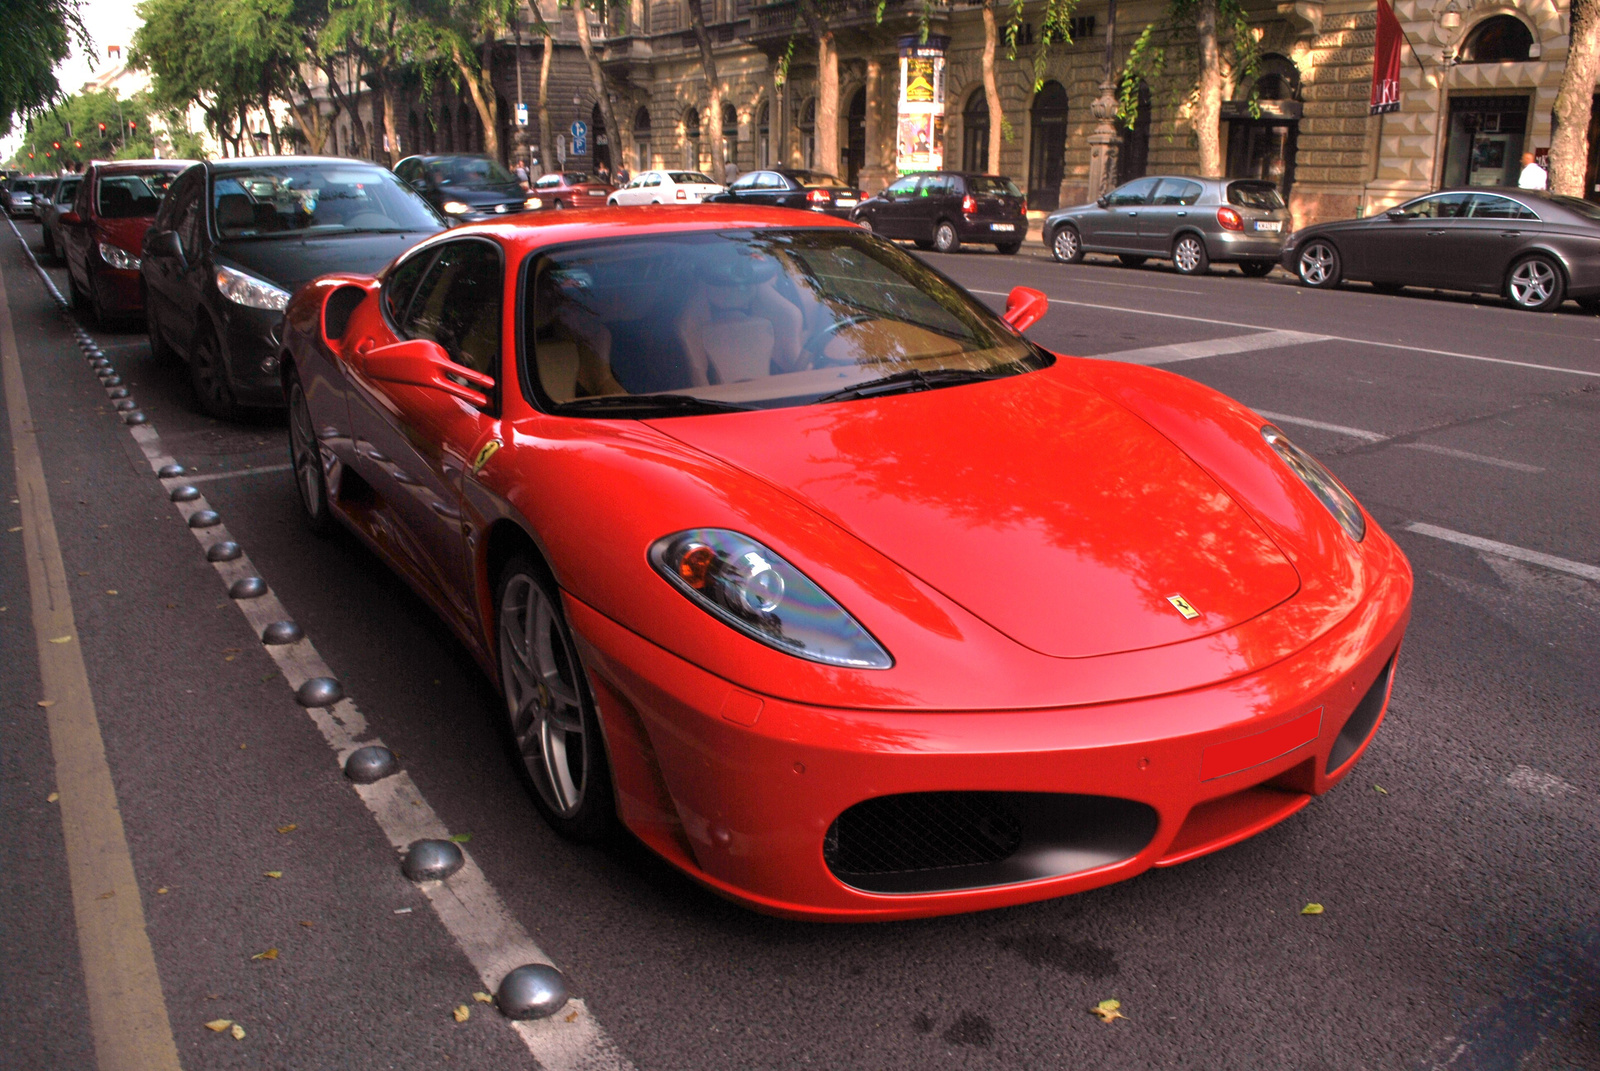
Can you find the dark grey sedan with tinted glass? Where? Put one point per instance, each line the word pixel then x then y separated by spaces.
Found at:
pixel 1534 248
pixel 1194 222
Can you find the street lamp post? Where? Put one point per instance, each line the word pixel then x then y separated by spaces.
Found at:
pixel 1105 144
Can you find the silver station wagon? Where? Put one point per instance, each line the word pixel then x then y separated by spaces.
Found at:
pixel 1194 222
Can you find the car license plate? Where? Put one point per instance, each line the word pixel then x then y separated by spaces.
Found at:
pixel 845 202
pixel 1264 225
pixel 596 193
pixel 1002 226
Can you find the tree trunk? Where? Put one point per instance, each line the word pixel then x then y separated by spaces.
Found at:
pixel 1569 145
pixel 390 128
pixel 1208 108
pixel 272 124
pixel 991 88
pixel 310 123
pixel 826 157
pixel 483 99
pixel 546 145
pixel 597 75
pixel 708 63
pixel 343 103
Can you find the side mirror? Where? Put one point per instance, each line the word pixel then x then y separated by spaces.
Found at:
pixel 70 218
pixel 418 362
pixel 164 244
pixel 1396 214
pixel 1025 307
pixel 419 184
pixel 1102 200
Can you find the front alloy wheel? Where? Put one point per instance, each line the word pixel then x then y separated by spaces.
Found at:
pixel 548 710
pixel 208 375
pixel 1067 246
pixel 1319 264
pixel 865 224
pixel 1536 284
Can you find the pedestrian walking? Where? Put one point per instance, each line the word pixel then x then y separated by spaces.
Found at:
pixel 730 171
pixel 522 172
pixel 1533 176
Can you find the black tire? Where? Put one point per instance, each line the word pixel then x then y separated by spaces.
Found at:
pixel 1066 244
pixel 208 376
pixel 865 224
pixel 945 238
pixel 1008 248
pixel 1256 269
pixel 561 206
pixel 1318 265
pixel 1130 260
pixel 1536 284
pixel 923 244
pixel 1588 304
pixel 547 707
pixel 159 350
pixel 310 478
pixel 1189 255
pixel 47 243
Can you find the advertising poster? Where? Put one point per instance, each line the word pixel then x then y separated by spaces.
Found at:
pixel 919 144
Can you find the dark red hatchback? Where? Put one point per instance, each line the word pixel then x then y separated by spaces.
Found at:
pixel 941 209
pixel 103 232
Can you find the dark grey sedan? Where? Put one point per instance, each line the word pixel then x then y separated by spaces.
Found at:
pixel 1536 249
pixel 1194 222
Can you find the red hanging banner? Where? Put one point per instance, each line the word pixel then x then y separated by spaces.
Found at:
pixel 1386 61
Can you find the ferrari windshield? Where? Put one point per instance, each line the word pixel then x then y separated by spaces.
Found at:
pixel 752 319
pixel 325 197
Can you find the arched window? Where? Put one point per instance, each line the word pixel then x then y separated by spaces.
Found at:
pixel 808 133
pixel 1047 146
pixel 975 132
pixel 1134 159
pixel 855 142
pixel 764 135
pixel 730 136
pixel 1502 39
pixel 691 139
pixel 641 138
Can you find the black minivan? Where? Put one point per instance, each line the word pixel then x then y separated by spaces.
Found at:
pixel 234 239
pixel 941 209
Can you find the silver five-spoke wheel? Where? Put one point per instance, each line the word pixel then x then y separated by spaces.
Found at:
pixel 1535 284
pixel 1319 264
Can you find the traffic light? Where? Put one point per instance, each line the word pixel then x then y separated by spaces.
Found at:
pixel 77 144
pixel 132 126
pixel 102 130
pixel 57 144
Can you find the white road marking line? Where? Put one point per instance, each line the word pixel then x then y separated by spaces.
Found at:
pixel 1328 338
pixel 257 471
pixel 1209 347
pixel 1131 286
pixel 466 903
pixel 1506 550
pixel 1466 455
pixel 1337 429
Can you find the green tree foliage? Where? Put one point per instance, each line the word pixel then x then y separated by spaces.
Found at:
pixel 69 134
pixel 37 35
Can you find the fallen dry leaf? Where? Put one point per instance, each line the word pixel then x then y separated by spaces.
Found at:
pixel 161 891
pixel 290 828
pixel 273 873
pixel 1108 1010
pixel 462 1013
pixel 460 838
pixel 241 747
pixel 1380 790
pixel 271 953
pixel 82 572
pixel 47 702
pixel 18 528
pixel 106 895
pixel 219 1025
pixel 483 998
pixel 307 923
pixel 1311 909
pixel 52 797
pixel 61 639
pixel 571 1017
pixel 112 591
pixel 237 1031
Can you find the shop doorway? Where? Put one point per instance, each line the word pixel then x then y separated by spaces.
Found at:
pixel 1484 145
pixel 1264 125
pixel 1047 144
pixel 855 146
pixel 975 133
pixel 600 151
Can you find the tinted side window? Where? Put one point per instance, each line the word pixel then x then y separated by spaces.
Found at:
pixel 901 187
pixel 401 284
pixel 187 215
pixel 1488 206
pixel 1439 206
pixel 1177 192
pixel 745 182
pixel 1134 193
pixel 458 305
pixel 80 202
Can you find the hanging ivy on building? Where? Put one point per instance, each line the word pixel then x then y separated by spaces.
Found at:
pixel 1053 31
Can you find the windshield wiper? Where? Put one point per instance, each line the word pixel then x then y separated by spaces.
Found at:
pixel 911 380
pixel 648 405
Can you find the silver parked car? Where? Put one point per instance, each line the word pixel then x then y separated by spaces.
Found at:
pixel 1194 222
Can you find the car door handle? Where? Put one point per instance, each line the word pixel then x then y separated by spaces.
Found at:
pixel 1435 234
pixel 1133 215
pixel 1183 215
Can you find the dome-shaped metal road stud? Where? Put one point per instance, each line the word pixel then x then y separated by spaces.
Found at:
pixel 247 587
pixel 186 492
pixel 319 692
pixel 117 392
pixel 225 551
pixel 432 860
pixel 135 417
pixel 204 518
pixel 168 472
pixel 533 991
pixel 368 764
pixel 111 381
pixel 281 632
pixel 125 404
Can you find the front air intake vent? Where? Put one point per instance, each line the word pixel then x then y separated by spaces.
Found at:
pixel 939 841
pixel 1361 721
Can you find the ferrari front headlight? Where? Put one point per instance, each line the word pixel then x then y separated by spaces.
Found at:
pixel 252 293
pixel 1321 482
pixel 751 589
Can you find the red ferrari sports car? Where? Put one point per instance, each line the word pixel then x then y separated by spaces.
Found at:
pixel 823 580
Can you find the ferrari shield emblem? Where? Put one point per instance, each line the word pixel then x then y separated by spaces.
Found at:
pixel 1181 604
pixel 488 450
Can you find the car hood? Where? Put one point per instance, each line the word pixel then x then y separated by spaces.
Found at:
pixel 1036 503
pixel 291 262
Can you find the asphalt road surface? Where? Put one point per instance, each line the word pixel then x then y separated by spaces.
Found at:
pixel 1457 866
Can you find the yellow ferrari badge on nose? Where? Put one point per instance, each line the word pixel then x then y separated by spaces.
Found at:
pixel 488 450
pixel 1181 604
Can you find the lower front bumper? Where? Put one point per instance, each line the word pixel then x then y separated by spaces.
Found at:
pixel 744 792
pixel 252 340
pixel 121 292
